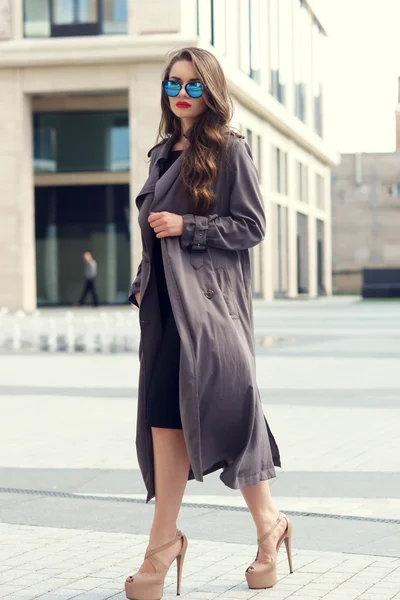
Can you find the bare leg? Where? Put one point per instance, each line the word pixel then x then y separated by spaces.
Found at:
pixel 171 466
pixel 264 512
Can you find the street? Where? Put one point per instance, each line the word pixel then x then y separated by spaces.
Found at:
pixel 72 514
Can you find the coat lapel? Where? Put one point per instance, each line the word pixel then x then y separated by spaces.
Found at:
pixel 165 182
pixel 154 175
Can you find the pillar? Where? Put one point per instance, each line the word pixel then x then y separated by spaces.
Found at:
pixel 17 19
pixel 17 233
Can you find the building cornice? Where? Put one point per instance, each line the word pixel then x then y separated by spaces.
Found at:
pixel 118 50
pixel 88 50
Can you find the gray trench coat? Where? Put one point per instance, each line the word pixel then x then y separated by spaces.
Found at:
pixel 207 270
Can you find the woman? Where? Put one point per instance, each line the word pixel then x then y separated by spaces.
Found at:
pixel 199 407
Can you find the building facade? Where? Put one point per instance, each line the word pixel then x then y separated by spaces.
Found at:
pixel 365 217
pixel 80 105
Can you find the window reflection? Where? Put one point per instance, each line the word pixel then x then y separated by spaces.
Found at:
pixel 66 12
pixel 70 220
pixel 73 142
pixel 54 18
pixel 37 18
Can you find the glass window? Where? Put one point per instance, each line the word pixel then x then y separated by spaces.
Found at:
pixel 244 39
pixel 249 137
pixel 317 75
pixel 320 257
pixel 285 47
pixel 298 100
pixel 219 24
pixel 306 55
pixel 115 16
pixel 67 12
pixel 278 170
pixel 73 142
pixel 274 47
pixel 44 143
pixel 280 233
pixel 320 191
pixel 63 12
pixel 119 146
pixel 70 220
pixel 37 18
pixel 256 265
pixel 302 57
pixel 255 40
pixel 302 253
pixel 205 20
pixel 280 183
pixel 56 18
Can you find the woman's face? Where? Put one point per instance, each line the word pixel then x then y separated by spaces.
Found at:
pixel 182 105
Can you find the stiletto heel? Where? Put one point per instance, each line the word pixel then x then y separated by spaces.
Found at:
pixel 264 575
pixel 179 566
pixel 288 544
pixel 150 586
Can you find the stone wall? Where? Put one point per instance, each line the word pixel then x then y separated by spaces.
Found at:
pixel 365 216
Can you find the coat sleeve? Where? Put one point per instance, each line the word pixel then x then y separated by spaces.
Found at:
pixel 135 287
pixel 245 227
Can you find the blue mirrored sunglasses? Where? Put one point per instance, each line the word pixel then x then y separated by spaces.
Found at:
pixel 194 89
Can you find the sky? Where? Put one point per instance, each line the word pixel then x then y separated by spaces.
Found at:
pixel 363 66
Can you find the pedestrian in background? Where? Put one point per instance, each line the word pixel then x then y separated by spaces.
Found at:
pixel 90 273
pixel 199 407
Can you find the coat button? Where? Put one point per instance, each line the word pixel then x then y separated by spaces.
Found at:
pixel 209 294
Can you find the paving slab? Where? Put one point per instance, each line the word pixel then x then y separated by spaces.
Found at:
pixel 44 562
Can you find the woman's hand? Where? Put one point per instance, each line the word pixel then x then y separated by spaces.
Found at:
pixel 166 224
pixel 137 296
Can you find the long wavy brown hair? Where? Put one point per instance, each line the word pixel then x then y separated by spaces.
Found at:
pixel 201 158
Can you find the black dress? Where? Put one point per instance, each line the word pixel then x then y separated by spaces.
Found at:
pixel 162 405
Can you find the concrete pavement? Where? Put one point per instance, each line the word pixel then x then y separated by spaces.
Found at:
pixel 330 388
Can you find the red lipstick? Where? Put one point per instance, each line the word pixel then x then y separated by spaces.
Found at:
pixel 183 105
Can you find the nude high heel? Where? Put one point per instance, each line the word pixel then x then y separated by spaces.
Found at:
pixel 263 575
pixel 150 586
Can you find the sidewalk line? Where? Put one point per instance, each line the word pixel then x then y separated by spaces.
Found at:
pixel 140 499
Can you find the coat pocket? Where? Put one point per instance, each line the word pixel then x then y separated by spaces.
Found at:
pixel 225 285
